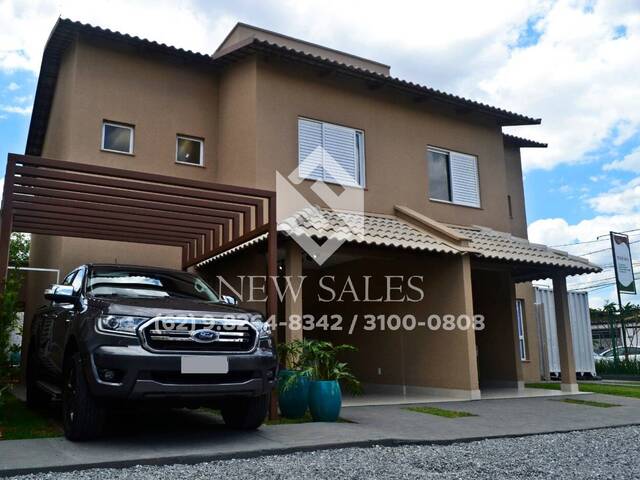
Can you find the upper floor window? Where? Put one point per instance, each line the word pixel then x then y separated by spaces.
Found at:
pixel 331 153
pixel 453 177
pixel 189 150
pixel 117 137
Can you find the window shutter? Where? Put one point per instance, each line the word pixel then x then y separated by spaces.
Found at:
pixel 310 149
pixel 341 164
pixel 465 188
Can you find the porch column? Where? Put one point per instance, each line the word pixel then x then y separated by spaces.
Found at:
pixel 293 302
pixel 565 339
pixel 471 349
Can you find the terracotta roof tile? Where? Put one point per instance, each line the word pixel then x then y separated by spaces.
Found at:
pixel 369 229
pixel 388 230
pixel 489 243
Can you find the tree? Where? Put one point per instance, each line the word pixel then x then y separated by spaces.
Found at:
pixel 611 315
pixel 9 302
pixel 19 249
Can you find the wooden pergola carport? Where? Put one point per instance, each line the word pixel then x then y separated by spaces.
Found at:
pixel 54 197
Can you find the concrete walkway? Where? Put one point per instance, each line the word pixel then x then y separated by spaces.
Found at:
pixel 190 437
pixel 386 398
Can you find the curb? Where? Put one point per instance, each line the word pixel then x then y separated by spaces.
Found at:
pixel 200 458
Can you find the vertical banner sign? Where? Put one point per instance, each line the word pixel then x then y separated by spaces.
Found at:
pixel 622 263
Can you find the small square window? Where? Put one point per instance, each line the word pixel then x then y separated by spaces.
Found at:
pixel 189 151
pixel 117 138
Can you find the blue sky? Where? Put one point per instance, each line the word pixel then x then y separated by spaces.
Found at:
pixel 573 63
pixel 18 88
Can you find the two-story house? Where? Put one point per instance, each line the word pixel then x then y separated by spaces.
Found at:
pixel 439 189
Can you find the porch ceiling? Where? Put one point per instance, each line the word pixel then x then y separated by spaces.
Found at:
pixel 53 197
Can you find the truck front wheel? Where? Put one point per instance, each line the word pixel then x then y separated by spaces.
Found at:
pixel 83 417
pixel 245 413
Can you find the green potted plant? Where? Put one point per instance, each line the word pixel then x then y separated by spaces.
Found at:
pixel 318 361
pixel 293 388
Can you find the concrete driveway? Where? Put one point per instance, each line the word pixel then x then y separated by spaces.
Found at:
pixel 190 437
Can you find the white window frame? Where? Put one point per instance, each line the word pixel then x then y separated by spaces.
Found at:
pixel 193 139
pixel 450 177
pixel 362 183
pixel 131 129
pixel 520 321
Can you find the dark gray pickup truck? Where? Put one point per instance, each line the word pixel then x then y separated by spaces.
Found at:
pixel 119 336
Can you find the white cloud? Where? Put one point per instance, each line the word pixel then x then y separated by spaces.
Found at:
pixel 630 162
pixel 622 199
pixel 13 86
pixel 556 231
pixel 22 99
pixel 16 109
pixel 578 78
pixel 25 26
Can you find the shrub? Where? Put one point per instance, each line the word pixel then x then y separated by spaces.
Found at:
pixel 621 367
pixel 318 360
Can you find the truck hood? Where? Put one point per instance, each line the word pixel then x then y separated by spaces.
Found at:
pixel 152 307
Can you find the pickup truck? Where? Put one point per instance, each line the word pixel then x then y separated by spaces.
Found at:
pixel 117 336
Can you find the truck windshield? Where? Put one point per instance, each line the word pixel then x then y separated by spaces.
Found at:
pixel 134 283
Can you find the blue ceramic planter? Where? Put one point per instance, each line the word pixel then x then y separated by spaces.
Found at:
pixel 293 401
pixel 325 400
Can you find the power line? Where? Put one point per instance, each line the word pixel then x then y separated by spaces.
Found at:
pixel 601 250
pixel 597 239
pixel 599 285
pixel 610 265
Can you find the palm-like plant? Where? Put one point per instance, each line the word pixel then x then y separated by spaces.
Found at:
pixel 289 353
pixel 318 360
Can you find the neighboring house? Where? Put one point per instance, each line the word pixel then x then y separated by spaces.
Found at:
pixel 441 186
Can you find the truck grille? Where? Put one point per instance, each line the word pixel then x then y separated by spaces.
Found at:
pixel 198 335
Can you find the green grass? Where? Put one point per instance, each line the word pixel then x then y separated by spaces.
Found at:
pixel 306 419
pixel 605 389
pixel 290 421
pixel 19 422
pixel 589 403
pixel 441 412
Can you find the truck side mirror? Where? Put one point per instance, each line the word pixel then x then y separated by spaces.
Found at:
pixel 229 299
pixel 61 294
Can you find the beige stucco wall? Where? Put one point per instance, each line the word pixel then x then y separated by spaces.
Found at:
pixel 244 32
pixel 419 357
pixel 237 124
pixel 515 188
pixel 397 134
pixel 161 99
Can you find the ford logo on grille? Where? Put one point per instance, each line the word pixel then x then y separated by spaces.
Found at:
pixel 204 336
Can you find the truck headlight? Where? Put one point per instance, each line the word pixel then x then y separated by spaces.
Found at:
pixel 120 324
pixel 264 329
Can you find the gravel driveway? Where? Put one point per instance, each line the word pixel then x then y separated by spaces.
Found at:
pixel 608 453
